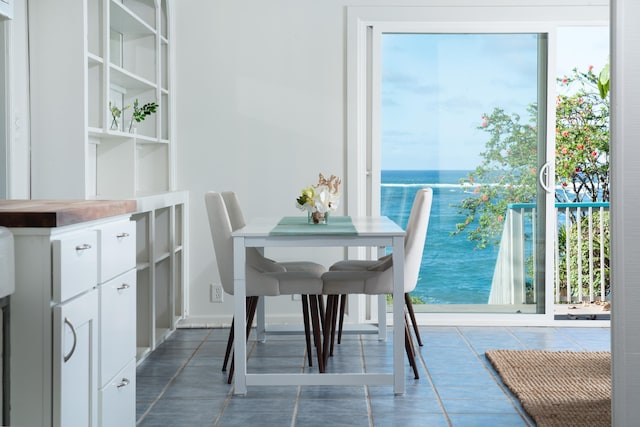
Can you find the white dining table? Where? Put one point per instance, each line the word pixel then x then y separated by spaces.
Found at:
pixel 378 232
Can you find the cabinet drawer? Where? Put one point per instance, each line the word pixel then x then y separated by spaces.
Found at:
pixel 117 324
pixel 75 265
pixel 117 400
pixel 117 249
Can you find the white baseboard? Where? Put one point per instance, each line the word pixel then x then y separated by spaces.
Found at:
pixel 224 321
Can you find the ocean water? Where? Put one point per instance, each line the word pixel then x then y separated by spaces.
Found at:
pixel 453 271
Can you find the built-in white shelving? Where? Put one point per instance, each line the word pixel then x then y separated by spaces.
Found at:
pixel 113 52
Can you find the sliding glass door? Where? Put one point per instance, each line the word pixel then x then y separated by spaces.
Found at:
pixel 464 100
pixel 466 114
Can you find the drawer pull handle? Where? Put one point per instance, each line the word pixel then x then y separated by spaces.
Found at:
pixel 123 287
pixel 123 383
pixel 66 357
pixel 83 247
pixel 122 235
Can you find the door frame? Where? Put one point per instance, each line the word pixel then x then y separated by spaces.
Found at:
pixel 364 27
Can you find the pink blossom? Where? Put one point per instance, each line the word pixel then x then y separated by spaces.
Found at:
pixel 565 133
pixel 485 197
pixel 590 68
pixel 564 150
pixel 500 219
pixel 580 146
pixel 565 80
pixel 594 154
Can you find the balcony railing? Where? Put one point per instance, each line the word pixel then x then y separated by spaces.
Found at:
pixel 580 252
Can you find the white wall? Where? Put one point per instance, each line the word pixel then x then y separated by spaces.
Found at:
pixel 260 110
pixel 625 205
pixel 18 172
pixel 261 96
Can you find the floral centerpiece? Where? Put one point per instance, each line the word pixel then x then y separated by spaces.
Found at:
pixel 318 200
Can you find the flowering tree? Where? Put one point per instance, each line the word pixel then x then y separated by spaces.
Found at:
pixel 582 137
pixel 507 173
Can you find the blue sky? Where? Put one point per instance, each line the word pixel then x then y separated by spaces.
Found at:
pixel 436 87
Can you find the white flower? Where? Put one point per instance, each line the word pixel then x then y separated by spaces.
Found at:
pixel 320 198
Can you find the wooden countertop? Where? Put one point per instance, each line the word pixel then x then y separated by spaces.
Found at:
pixel 57 213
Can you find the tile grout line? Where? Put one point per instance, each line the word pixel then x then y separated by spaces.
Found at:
pixel 229 396
pixel 367 394
pixel 296 405
pixel 507 393
pixel 164 389
pixel 433 385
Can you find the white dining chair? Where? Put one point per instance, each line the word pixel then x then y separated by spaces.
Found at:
pixel 264 277
pixel 375 277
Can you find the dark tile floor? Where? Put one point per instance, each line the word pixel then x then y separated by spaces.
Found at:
pixel 181 384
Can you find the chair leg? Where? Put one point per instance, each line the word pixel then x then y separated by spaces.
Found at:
pixel 315 320
pixel 307 334
pixel 411 352
pixel 322 309
pixel 227 353
pixel 334 321
pixel 231 332
pixel 328 321
pixel 343 304
pixel 407 300
pixel 251 312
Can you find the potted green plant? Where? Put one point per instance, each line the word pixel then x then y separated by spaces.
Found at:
pixel 116 113
pixel 141 113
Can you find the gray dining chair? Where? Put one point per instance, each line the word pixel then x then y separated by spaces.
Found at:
pixel 375 277
pixel 264 277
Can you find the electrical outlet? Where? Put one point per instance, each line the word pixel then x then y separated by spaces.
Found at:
pixel 217 294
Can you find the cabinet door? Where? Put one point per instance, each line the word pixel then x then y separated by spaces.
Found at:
pixel 117 324
pixel 75 362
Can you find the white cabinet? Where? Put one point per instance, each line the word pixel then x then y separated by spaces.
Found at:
pixel 161 267
pixel 75 358
pixel 117 320
pixel 112 53
pixel 108 53
pixel 117 334
pixel 75 265
pixel 119 394
pixel 73 316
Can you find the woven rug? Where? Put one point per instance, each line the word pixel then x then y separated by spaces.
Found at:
pixel 558 388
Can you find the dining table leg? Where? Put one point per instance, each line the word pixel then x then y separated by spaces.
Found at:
pixel 240 292
pixel 398 316
pixel 382 306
